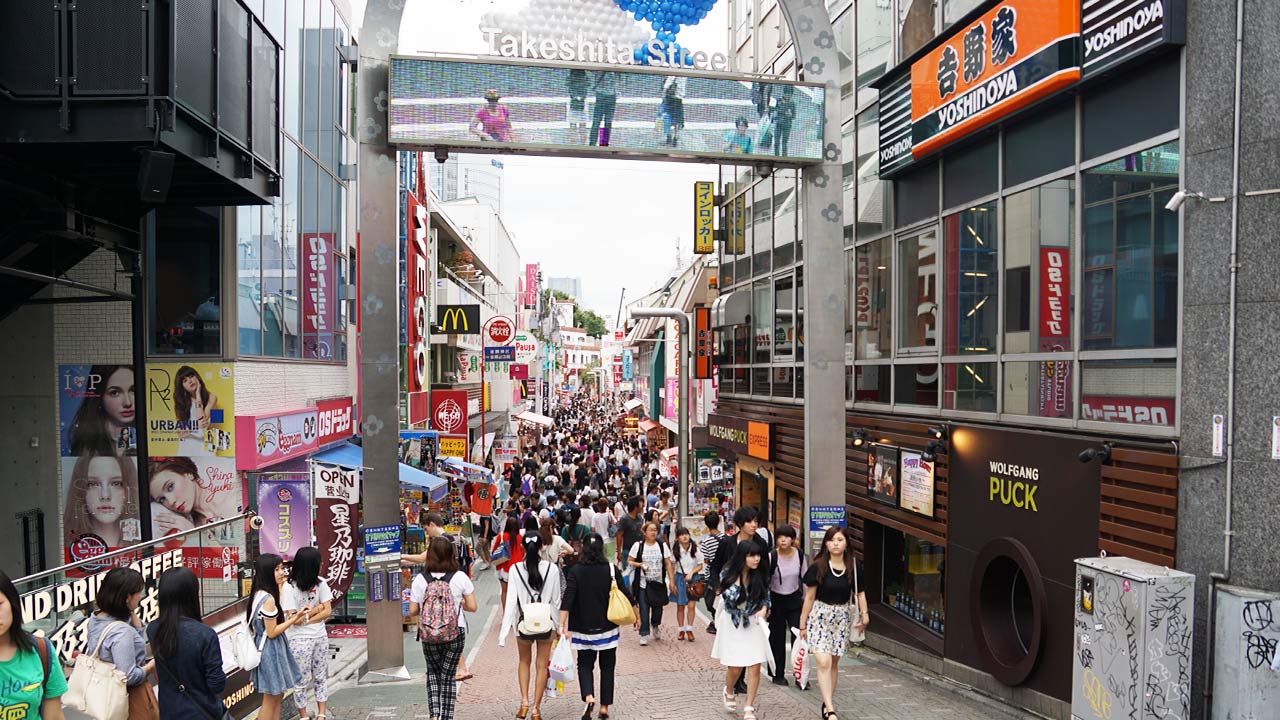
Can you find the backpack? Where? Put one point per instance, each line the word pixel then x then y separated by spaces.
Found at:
pixel 574 542
pixel 773 560
pixel 439 612
pixel 536 617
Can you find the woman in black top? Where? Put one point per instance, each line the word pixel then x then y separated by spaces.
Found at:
pixel 584 621
pixel 829 615
pixel 187 651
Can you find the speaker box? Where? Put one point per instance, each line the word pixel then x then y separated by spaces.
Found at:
pixel 154 176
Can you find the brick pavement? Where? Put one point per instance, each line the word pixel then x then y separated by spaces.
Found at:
pixel 671 680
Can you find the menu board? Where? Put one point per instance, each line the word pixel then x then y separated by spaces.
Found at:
pixel 915 483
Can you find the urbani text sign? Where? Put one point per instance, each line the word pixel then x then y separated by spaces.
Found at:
pixel 742 436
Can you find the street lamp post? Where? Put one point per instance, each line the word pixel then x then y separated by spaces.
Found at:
pixel 686 347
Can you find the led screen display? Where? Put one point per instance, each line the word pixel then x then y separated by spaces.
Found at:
pixel 602 109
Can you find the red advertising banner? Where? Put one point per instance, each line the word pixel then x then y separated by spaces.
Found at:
pixel 449 411
pixel 317 295
pixel 519 371
pixel 1055 331
pixel 1135 410
pixel 702 348
pixel 530 285
pixel 417 289
pixel 418 410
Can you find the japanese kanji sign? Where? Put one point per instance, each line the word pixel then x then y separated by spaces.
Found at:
pixel 703 212
pixel 702 345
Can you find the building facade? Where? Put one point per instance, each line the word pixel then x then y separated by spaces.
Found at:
pixel 571 286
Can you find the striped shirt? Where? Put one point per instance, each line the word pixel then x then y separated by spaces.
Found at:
pixel 708 545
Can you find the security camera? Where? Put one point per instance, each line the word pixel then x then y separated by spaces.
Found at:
pixel 1102 454
pixel 763 169
pixel 1176 201
pixel 442 154
pixel 256 522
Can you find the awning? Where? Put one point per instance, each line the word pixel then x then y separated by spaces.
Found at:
pixel 482 448
pixel 731 309
pixel 491 417
pixel 669 452
pixel 648 425
pixel 350 455
pixel 466 468
pixel 632 404
pixel 530 416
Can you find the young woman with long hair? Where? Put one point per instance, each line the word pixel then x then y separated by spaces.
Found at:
pixel 742 610
pixel 116 631
pixel 829 612
pixel 188 656
pixel 102 501
pixel 554 547
pixel 533 581
pixel 104 422
pixel 653 580
pixel 688 567
pixel 510 536
pixel 584 622
pixel 307 594
pixel 22 662
pixel 278 671
pixel 441 565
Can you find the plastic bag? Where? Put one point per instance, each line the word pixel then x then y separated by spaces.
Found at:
pixel 562 667
pixel 801 660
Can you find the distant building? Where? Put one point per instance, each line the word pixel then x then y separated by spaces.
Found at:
pixel 570 286
pixel 463 176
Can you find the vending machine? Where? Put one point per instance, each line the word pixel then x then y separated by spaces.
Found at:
pixel 1132 649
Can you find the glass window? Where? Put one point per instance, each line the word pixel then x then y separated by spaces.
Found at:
pixel 970 173
pixel 914 578
pixel 1130 257
pixel 972 281
pixel 872 290
pixel 917 23
pixel 273 263
pixel 875 45
pixel 1131 109
pixel 875 196
pixel 762 225
pixel 843 27
pixel 783 381
pixel 1041 389
pixel 871 383
pixel 918 297
pixel 916 195
pixel 185 282
pixel 799 322
pixel 291 98
pixel 311 76
pixel 784 315
pixel 317 290
pixel 1041 144
pixel 970 386
pixel 328 78
pixel 784 223
pixel 915 385
pixel 1039 225
pixel 762 311
pixel 249 279
pixel 1138 392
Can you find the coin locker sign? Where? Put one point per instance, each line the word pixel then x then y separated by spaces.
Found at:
pixel 703 212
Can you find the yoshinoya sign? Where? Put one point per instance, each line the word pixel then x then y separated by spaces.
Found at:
pixel 1114 32
pixel 293 434
pixel 742 436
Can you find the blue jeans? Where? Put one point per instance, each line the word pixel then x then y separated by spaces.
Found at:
pixel 649 616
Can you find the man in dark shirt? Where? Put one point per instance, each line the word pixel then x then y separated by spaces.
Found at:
pixel 629 528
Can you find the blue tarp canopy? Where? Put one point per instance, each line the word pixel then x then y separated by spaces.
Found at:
pixel 352 456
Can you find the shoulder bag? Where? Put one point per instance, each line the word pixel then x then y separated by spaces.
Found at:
pixel 247 652
pixel 621 612
pixel 182 690
pixel 856 636
pixel 97 687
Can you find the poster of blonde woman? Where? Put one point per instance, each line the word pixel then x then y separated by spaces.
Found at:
pixel 190 410
pixel 100 506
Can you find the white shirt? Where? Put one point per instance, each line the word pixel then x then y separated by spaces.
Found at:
pixel 600 523
pixel 518 595
pixel 688 560
pixel 291 598
pixel 653 557
pixel 551 553
pixel 460 586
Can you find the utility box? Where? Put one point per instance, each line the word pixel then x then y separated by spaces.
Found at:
pixel 1132 649
pixel 1246 635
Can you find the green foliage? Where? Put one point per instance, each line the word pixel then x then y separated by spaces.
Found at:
pixel 589 321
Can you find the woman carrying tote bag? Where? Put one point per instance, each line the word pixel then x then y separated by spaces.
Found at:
pixel 586 625
pixel 116 633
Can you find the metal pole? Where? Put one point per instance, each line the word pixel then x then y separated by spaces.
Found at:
pixel 682 321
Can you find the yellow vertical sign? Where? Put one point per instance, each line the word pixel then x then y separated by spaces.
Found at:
pixel 703 212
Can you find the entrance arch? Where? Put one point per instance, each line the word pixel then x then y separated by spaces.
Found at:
pixel 824 269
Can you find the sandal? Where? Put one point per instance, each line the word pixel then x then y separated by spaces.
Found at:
pixel 730 701
pixel 604 715
pixel 748 713
pixel 534 714
pixel 828 714
pixel 522 712
pixel 589 709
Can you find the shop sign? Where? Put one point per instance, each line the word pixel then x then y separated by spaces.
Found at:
pixel 449 411
pixel 531 285
pixel 628 365
pixel 190 407
pixel 917 488
pixel 670 393
pixel 882 474
pixel 317 294
pixel 822 517
pixel 519 371
pixel 702 343
pixel 526 347
pixel 1112 36
pixel 336 530
pixel 795 513
pixel 284 504
pixel 499 330
pixel 619 336
pixel 742 436
pixel 287 435
pixel 454 446
pixel 703 210
pixel 500 354
pixel 1136 410
pixel 336 483
pixel 458 319
pixel 381 543
pixel 738 226
pixel 506 451
pixel 418 300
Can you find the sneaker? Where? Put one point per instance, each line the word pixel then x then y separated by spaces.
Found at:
pixel 480 565
pixel 780 681
pixel 657 632
pixel 711 628
pixel 644 640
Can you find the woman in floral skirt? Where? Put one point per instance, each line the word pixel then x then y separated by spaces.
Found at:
pixel 833 606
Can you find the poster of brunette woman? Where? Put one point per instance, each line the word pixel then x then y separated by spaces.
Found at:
pixel 96 410
pixel 191 492
pixel 190 410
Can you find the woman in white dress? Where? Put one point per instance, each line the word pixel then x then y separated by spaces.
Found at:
pixel 742 637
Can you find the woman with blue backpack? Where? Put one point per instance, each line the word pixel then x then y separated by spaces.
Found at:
pixel 439 596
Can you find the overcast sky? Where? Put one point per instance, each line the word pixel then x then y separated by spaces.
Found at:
pixel 613 223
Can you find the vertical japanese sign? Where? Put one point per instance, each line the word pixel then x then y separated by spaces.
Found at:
pixel 1055 332
pixel 671 391
pixel 418 290
pixel 284 502
pixel 702 346
pixel 337 492
pixel 703 212
pixel 738 226
pixel 628 365
pixel 531 285
pixel 317 295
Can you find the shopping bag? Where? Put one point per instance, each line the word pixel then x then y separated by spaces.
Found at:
pixel 763 636
pixel 562 666
pixel 801 660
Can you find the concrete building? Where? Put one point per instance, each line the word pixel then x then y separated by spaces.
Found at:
pixel 468 176
pixel 571 286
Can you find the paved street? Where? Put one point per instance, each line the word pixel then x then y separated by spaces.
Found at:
pixel 667 680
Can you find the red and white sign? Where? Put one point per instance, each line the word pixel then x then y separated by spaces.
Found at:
pixel 499 330
pixel 449 411
pixel 418 258
pixel 618 336
pixel 1055 321
pixel 519 371
pixel 530 285
pixel 317 294
pixel 292 434
pixel 1134 410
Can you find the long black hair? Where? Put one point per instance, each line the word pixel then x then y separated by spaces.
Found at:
pixel 17 635
pixel 264 579
pixel 181 399
pixel 592 550
pixel 756 586
pixel 533 544
pixel 822 561
pixel 178 595
pixel 305 571
pixel 675 546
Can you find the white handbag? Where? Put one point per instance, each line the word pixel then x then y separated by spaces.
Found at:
pixel 97 687
pixel 856 636
pixel 248 653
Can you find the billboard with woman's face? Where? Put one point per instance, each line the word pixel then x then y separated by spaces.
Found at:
pixel 186 493
pixel 100 505
pixel 96 410
pixel 190 409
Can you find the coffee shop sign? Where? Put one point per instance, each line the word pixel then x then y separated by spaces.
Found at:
pixel 527 45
